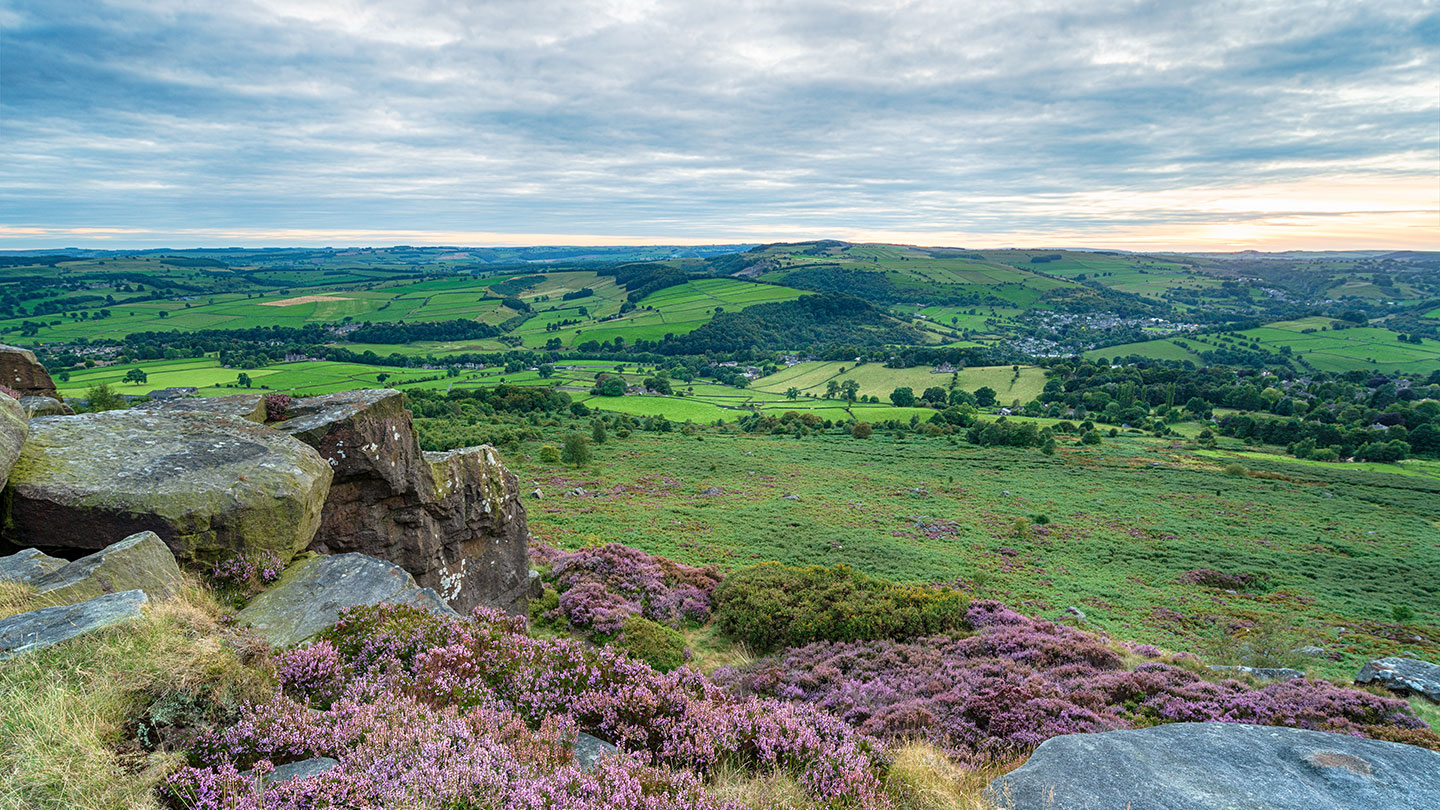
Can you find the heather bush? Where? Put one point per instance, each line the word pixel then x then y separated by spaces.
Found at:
pixel 769 606
pixel 1019 681
pixel 277 406
pixel 438 713
pixel 600 587
pixel 655 644
pixel 238 577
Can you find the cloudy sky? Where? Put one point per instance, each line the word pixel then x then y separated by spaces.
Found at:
pixel 1143 125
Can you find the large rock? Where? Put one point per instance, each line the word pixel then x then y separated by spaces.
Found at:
pixel 52 625
pixel 210 486
pixel 27 565
pixel 250 407
pixel 1405 675
pixel 44 406
pixel 454 520
pixel 1220 766
pixel 14 427
pixel 313 592
pixel 20 371
pixel 141 561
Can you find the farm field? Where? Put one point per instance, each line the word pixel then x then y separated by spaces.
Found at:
pixel 875 379
pixel 1326 349
pixel 1339 547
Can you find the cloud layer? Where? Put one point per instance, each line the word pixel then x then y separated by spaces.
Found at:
pixel 1146 124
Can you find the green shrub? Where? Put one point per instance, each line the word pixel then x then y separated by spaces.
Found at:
pixel 652 642
pixel 1235 470
pixel 772 605
pixel 550 454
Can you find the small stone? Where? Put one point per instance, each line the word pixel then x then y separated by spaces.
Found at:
pixel 1075 611
pixel 41 628
pixel 711 491
pixel 590 750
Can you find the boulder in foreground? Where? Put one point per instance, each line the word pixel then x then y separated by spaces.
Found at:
pixel 1220 766
pixel 454 520
pixel 1404 675
pixel 312 594
pixel 14 428
pixel 210 486
pixel 52 625
pixel 28 564
pixel 139 562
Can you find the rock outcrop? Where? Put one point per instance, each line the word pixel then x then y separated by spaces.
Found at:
pixel 454 520
pixel 313 592
pixel 1263 673
pixel 250 407
pixel 28 564
pixel 44 406
pixel 14 428
pixel 1404 675
pixel 1220 766
pixel 20 371
pixel 208 485
pixel 52 625
pixel 141 561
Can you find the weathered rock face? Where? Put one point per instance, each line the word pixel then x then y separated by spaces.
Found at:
pixel 139 562
pixel 1263 673
pixel 44 406
pixel 208 485
pixel 250 407
pixel 313 592
pixel 20 371
pixel 454 520
pixel 1403 675
pixel 28 564
pixel 52 625
pixel 1220 766
pixel 13 429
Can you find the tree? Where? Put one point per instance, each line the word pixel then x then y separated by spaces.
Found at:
pixel 831 389
pixel 984 396
pixel 849 390
pixel 1090 437
pixel 902 397
pixel 576 451
pixel 243 379
pixel 935 395
pixel 792 393
pixel 546 371
pixel 136 376
pixel 1048 448
pixel 382 377
pixel 597 432
pixel 164 314
pixel 101 398
pixel 609 386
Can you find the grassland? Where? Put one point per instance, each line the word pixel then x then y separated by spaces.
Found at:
pixel 1314 341
pixel 1341 546
pixel 877 380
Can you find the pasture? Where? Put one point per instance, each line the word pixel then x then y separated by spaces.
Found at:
pixel 875 379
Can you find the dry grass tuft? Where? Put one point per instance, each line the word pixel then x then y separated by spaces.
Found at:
pixel 89 724
pixel 922 777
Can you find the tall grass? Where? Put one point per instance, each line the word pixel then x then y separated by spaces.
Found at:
pixel 85 722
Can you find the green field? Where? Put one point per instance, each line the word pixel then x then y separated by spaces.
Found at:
pixel 877 380
pixel 1341 544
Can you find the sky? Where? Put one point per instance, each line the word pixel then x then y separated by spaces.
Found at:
pixel 1167 125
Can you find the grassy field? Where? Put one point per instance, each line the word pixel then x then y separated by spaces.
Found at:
pixel 1312 340
pixel 1341 545
pixel 877 380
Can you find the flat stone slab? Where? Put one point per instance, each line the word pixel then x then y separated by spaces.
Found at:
pixel 312 593
pixel 26 565
pixel 41 628
pixel 250 407
pixel 589 750
pixel 1263 673
pixel 44 406
pixel 1403 675
pixel 141 561
pixel 303 769
pixel 1220 766
pixel 211 486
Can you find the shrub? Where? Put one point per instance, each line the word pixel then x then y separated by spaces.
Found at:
pixel 1019 681
pixel 1090 437
pixel 655 644
pixel 862 430
pixel 772 605
pixel 550 454
pixel 599 588
pixel 1235 470
pixel 576 451
pixel 276 406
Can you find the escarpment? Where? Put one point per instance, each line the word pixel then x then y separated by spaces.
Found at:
pixel 334 474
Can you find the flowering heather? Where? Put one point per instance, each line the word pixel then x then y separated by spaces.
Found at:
pixel 1019 681
pixel 242 575
pixel 600 587
pixel 424 712
pixel 276 406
